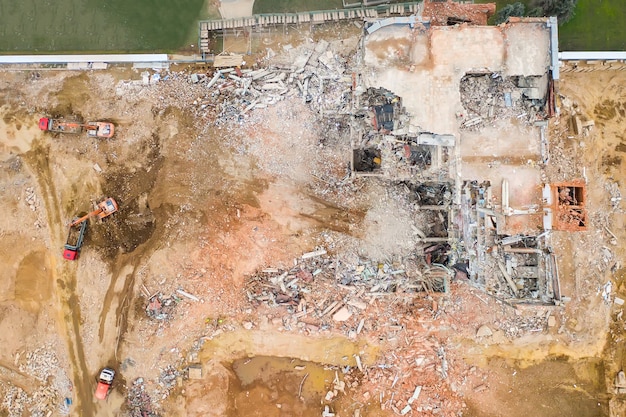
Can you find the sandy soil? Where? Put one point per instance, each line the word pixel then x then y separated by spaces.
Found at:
pixel 204 204
pixel 230 9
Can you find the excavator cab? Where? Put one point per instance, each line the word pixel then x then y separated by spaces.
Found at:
pixel 100 129
pixel 107 207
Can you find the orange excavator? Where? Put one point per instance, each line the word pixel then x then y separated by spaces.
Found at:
pixel 105 209
pixel 76 234
pixel 100 129
pixel 94 129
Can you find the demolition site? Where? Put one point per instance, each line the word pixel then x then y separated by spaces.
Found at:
pixel 395 211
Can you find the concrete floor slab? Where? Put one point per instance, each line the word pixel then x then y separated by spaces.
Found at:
pixel 425 67
pixel 528 49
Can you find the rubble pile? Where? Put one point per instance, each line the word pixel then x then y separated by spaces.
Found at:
pixel 299 290
pixel 139 402
pixel 416 376
pixel 167 379
pixel 161 308
pixel 14 400
pixel 517 326
pixel 41 394
pixel 31 198
pixel 40 363
pixel 490 96
pixel 392 302
pixel 39 401
pixel 615 195
pixel 316 76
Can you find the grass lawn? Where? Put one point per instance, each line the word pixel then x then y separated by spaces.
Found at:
pixel 291 6
pixel 41 26
pixel 598 25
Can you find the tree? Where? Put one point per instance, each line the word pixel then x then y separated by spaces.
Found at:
pixel 562 9
pixel 515 9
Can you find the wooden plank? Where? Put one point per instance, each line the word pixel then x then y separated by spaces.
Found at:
pixel 227 61
pixel 508 278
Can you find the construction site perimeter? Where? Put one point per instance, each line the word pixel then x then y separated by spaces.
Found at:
pixel 365 218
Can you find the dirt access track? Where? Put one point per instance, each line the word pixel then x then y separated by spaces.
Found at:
pixel 248 272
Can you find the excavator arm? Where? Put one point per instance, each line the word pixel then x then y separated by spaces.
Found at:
pixel 85 217
pixel 105 208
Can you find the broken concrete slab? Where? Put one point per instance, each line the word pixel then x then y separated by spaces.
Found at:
pixel 358 304
pixel 342 314
pixel 195 371
pixel 484 331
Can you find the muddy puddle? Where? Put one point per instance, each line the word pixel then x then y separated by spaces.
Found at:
pixel 273 373
pixel 271 386
pixel 275 386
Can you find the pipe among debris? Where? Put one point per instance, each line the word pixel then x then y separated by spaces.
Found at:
pixel 505 196
pixel 509 249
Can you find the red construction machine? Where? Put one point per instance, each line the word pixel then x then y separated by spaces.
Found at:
pixel 78 228
pixel 74 242
pixel 105 209
pixel 59 126
pixel 94 129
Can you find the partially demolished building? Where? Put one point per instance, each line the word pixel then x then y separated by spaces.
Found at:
pixel 458 115
pixel 461 113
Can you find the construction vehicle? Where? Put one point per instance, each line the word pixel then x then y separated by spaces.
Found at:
pixel 94 129
pixel 76 234
pixel 100 129
pixel 105 209
pixel 105 380
pixel 59 126
pixel 74 241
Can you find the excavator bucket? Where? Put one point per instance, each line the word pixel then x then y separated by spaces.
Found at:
pixel 107 207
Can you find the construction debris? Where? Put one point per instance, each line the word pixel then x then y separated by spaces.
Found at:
pixel 490 96
pixel 161 308
pixel 471 252
pixel 294 288
pixel 139 402
pixel 620 382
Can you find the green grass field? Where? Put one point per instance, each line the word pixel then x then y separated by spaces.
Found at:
pixel 598 25
pixel 41 26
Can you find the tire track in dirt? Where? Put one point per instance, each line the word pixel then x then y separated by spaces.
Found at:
pixel 64 276
pixel 123 298
pixel 138 239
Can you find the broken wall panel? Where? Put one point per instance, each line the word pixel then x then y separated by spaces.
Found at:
pixel 366 160
pixel 517 267
pixel 565 207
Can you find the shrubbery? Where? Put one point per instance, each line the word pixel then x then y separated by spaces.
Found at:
pixel 562 9
pixel 514 9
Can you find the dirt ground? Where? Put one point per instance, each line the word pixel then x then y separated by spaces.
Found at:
pixel 230 9
pixel 207 204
